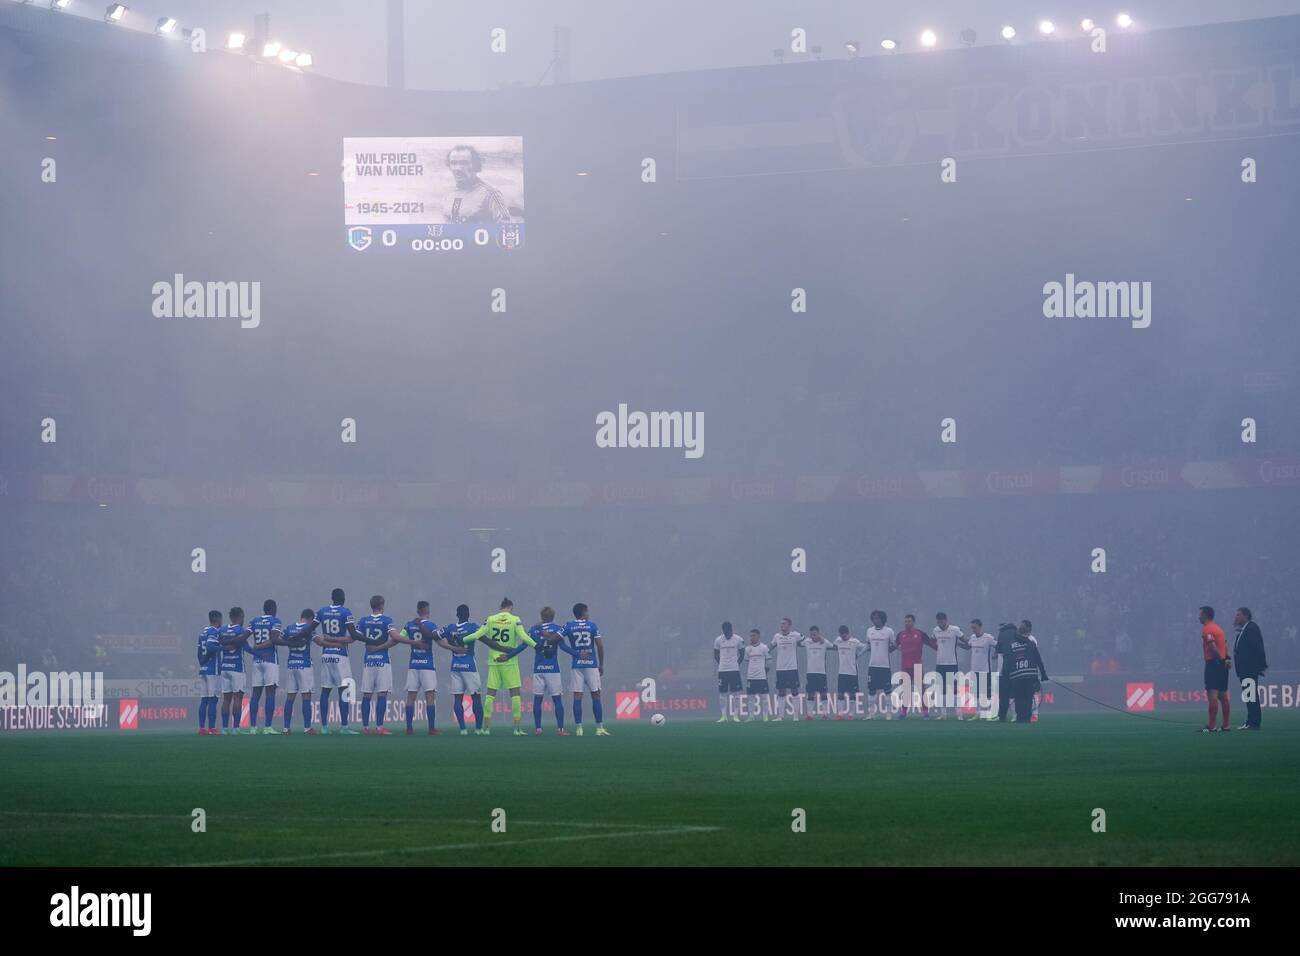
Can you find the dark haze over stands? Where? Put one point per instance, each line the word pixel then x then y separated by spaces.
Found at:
pixel 924 302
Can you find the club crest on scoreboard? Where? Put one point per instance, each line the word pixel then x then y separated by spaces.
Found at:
pixel 359 238
pixel 510 236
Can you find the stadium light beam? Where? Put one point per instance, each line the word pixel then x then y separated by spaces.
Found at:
pixel 928 39
pixel 114 12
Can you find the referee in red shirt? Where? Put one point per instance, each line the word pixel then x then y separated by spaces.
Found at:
pixel 1217 665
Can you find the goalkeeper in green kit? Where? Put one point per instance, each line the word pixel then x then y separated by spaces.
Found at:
pixel 504 633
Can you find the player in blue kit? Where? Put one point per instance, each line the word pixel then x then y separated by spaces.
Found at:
pixel 234 642
pixel 267 630
pixel 465 677
pixel 546 670
pixel 379 633
pixel 588 651
pixel 337 631
pixel 298 672
pixel 420 634
pixel 209 655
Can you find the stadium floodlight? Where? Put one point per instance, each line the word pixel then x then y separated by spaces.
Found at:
pixel 1046 27
pixel 1008 33
pixel 236 41
pixel 928 39
pixel 271 49
pixel 1086 24
pixel 288 56
pixel 303 61
pixel 968 36
pixel 888 44
pixel 852 47
pixel 114 12
pixel 165 25
pixel 60 4
pixel 1124 21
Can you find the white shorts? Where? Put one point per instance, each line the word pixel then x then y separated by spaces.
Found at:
pixel 209 685
pixel 547 684
pixel 418 680
pixel 232 682
pixel 335 671
pixel 584 678
pixel 298 680
pixel 466 682
pixel 377 679
pixel 265 674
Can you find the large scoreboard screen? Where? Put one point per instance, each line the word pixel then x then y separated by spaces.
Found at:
pixel 433 193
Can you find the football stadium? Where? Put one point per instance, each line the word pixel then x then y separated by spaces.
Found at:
pixel 389 325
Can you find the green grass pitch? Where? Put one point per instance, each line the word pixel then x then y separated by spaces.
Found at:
pixel 912 792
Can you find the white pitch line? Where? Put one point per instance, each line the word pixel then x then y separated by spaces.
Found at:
pixel 355 854
pixel 61 814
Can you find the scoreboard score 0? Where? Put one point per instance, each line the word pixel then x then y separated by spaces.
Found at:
pixel 433 193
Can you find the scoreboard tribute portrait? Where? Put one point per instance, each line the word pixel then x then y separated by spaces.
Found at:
pixel 433 193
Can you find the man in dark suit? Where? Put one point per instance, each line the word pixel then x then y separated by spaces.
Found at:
pixel 1248 654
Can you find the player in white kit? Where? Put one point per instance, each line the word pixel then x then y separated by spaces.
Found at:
pixel 757 655
pixel 786 644
pixel 945 637
pixel 726 654
pixel 848 649
pixel 880 678
pixel 980 644
pixel 815 647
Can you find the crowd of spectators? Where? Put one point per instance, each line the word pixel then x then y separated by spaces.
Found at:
pixel 116 589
